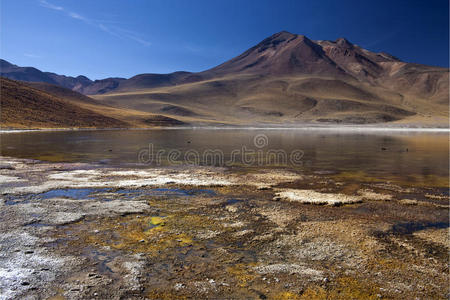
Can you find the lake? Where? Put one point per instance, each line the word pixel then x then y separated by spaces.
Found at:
pixel 416 157
pixel 347 211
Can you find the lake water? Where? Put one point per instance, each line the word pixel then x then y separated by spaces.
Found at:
pixel 421 157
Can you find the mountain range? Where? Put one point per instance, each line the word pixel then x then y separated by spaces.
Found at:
pixel 286 79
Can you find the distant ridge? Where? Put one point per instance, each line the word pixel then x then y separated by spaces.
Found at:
pixel 86 86
pixel 283 53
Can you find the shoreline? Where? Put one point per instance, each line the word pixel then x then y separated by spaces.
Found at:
pixel 345 128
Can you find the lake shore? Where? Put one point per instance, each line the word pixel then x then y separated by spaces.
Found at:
pixel 342 128
pixel 84 230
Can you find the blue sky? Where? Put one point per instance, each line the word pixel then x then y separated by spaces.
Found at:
pixel 105 38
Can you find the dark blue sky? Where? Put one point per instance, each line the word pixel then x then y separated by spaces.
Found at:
pixel 104 38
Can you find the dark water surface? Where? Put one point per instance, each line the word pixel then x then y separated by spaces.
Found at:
pixel 416 156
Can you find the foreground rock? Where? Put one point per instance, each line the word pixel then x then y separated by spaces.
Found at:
pixel 86 231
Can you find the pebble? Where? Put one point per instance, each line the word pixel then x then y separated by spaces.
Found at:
pixel 179 286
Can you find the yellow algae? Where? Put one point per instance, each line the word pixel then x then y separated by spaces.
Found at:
pixel 351 288
pixel 56 297
pixel 146 234
pixel 157 221
pixel 287 296
pixel 384 264
pixel 191 223
pixel 184 239
pixel 163 295
pixel 344 288
pixel 314 293
pixel 135 236
pixel 241 274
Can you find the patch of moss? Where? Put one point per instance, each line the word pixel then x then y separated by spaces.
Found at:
pixel 344 288
pixel 287 296
pixel 143 234
pixel 155 294
pixel 241 274
pixel 155 221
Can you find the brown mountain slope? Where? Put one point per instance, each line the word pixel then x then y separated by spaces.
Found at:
pixel 99 86
pixel 43 105
pixel 26 107
pixel 430 84
pixel 283 53
pixel 252 99
pixel 61 92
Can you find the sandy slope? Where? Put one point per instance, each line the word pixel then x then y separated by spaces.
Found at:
pixel 252 99
pixel 49 106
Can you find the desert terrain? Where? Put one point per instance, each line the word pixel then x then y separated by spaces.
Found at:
pixel 80 231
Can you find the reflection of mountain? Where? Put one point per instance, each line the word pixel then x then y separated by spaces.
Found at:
pixel 285 79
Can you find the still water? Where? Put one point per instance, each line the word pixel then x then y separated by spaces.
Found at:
pixel 422 157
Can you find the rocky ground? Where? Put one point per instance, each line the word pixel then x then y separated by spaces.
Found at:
pixel 75 231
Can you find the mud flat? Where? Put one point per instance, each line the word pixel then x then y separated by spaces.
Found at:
pixel 76 231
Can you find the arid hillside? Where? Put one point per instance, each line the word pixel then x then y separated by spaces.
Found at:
pixel 24 106
pixel 287 79
pixel 282 100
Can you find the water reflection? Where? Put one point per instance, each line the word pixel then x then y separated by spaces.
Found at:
pixel 383 154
